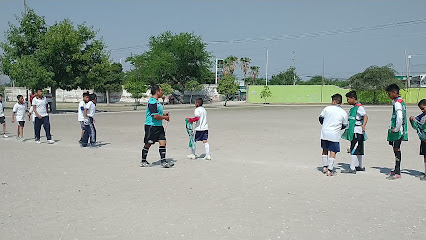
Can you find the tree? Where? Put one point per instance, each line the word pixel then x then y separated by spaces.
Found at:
pixel 374 78
pixel 227 86
pixel 245 65
pixel 107 78
pixel 254 70
pixel 167 90
pixel 192 86
pixel 318 80
pixel 289 77
pixel 230 64
pixel 174 59
pixel 136 87
pixel 266 93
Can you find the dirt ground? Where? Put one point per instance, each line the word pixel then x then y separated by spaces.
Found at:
pixel 263 181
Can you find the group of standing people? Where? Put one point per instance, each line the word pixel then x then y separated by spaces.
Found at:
pixel 334 119
pixel 86 118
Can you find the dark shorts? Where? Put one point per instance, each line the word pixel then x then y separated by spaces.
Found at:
pixel 2 120
pixel 82 126
pixel 358 138
pixel 423 148
pixel 154 134
pixel 21 124
pixel 201 135
pixel 396 144
pixel 330 146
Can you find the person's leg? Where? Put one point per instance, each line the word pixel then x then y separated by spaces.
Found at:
pixel 145 149
pixel 331 161
pixel 162 151
pixel 324 158
pixel 206 147
pixel 92 132
pixel 4 129
pixel 85 139
pixel 37 127
pixel 396 173
pixel 46 126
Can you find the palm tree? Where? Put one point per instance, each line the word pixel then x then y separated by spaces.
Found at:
pixel 254 73
pixel 245 62
pixel 230 63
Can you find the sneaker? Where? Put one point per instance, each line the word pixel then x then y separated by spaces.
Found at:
pixel 331 173
pixel 145 163
pixel 50 141
pixel 391 173
pixel 93 145
pixel 394 176
pixel 5 136
pixel 349 171
pixel 208 157
pixel 191 156
pixel 359 169
pixel 423 177
pixel 37 141
pixel 166 164
pixel 80 141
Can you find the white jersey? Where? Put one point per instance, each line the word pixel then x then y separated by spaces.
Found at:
pixel 399 111
pixel 201 124
pixel 80 115
pixel 40 106
pixel 359 119
pixel 1 109
pixel 334 117
pixel 20 110
pixel 91 109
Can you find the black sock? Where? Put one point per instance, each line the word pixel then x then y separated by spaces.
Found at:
pixel 144 153
pixel 397 162
pixel 162 151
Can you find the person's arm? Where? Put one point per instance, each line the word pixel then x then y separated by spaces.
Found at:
pixel 321 117
pixel 13 117
pixel 194 119
pixel 152 107
pixel 365 123
pixel 35 111
pixel 399 117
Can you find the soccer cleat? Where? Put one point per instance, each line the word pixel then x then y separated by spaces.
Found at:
pixel 166 164
pixel 5 136
pixel 191 156
pixel 391 173
pixel 359 169
pixel 37 141
pixel 145 163
pixel 393 177
pixel 349 171
pixel 423 177
pixel 50 141
pixel 208 157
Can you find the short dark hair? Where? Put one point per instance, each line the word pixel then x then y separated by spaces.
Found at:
pixel 154 89
pixel 422 102
pixel 39 89
pixel 18 97
pixel 352 94
pixel 337 97
pixel 93 96
pixel 1 95
pixel 199 101
pixel 86 94
pixel 392 88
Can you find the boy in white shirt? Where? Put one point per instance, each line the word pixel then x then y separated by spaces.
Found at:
pixel 90 130
pixel 19 112
pixel 333 119
pixel 2 118
pixel 80 115
pixel 201 129
pixel 41 112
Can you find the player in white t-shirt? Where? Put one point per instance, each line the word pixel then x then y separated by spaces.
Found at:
pixel 2 118
pixel 19 113
pixel 81 112
pixel 333 119
pixel 90 130
pixel 41 112
pixel 201 129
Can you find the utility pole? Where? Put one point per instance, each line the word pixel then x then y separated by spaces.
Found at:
pixel 267 62
pixel 406 65
pixel 294 65
pixel 25 7
pixel 322 79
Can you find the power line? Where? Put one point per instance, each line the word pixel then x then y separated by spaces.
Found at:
pixel 302 35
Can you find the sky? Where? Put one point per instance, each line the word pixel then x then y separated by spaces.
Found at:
pixel 370 32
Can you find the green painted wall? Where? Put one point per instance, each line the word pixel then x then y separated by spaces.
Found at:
pixel 312 94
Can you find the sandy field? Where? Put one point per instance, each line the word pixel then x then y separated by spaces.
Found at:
pixel 263 181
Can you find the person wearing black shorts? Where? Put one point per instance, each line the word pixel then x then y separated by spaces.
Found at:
pixel 154 130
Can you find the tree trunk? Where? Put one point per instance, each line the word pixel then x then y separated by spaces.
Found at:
pixel 135 107
pixel 53 90
pixel 374 97
pixel 107 97
pixel 190 100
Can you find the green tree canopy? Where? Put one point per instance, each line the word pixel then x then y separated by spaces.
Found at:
pixel 227 86
pixel 266 93
pixel 289 77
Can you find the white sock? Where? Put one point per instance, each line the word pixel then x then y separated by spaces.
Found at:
pixel 193 151
pixel 207 147
pixel 354 161
pixel 359 161
pixel 330 164
pixel 324 160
